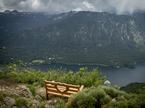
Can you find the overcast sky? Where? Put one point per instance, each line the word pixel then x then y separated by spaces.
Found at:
pixel 118 6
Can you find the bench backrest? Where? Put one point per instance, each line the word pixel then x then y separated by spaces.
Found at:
pixel 61 89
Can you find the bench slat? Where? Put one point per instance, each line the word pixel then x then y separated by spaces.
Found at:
pixel 50 86
pixel 66 93
pixel 55 90
pixel 61 84
pixel 58 94
pixel 73 90
pixel 61 89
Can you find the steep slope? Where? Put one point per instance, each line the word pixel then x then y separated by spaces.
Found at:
pixel 73 37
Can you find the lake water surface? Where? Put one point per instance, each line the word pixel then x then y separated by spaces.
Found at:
pixel 117 76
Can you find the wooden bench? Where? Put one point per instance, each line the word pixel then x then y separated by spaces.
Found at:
pixel 61 89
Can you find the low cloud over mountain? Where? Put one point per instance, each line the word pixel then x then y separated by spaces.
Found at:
pixel 118 6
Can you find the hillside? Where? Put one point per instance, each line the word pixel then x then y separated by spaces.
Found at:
pixel 24 88
pixel 73 37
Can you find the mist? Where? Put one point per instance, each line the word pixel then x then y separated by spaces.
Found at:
pixel 52 6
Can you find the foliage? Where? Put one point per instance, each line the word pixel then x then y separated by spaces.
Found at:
pixel 83 37
pixel 138 88
pixel 94 95
pixel 30 76
pixel 42 105
pixel 60 103
pixel 113 92
pixel 2 96
pixel 105 97
pixel 20 101
pixel 89 98
pixel 32 89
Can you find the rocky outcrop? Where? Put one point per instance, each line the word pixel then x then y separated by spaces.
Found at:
pixel 19 96
pixel 9 102
pixel 23 90
pixel 41 92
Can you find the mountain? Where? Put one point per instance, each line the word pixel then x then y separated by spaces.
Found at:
pixel 73 37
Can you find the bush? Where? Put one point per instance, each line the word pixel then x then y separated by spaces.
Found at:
pixel 2 97
pixel 82 100
pixel 104 97
pixel 32 89
pixel 96 96
pixel 137 88
pixel 21 102
pixel 89 98
pixel 113 92
pixel 132 102
pixel 60 103
pixel 42 105
pixel 117 104
pixel 141 100
pixel 30 76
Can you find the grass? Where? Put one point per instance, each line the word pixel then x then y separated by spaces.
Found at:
pixel 33 77
pixel 94 95
pixel 90 98
pixel 2 97
pixel 105 97
pixel 60 103
pixel 32 89
pixel 20 101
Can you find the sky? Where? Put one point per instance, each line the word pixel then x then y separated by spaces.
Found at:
pixel 117 6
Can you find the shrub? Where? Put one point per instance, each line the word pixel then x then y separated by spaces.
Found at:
pixel 82 100
pixel 141 100
pixel 117 104
pixel 42 105
pixel 21 102
pixel 2 97
pixel 137 88
pixel 113 92
pixel 89 98
pixel 132 102
pixel 104 97
pixel 32 89
pixel 60 103
pixel 30 76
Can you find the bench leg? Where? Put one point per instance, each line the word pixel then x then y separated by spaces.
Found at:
pixel 47 97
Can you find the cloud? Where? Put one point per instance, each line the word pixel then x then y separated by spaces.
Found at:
pixel 78 9
pixel 89 6
pixel 118 6
pixel 130 6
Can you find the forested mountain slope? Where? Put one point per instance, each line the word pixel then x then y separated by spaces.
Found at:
pixel 73 37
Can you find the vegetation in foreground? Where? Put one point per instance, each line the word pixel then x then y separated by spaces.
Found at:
pixel 33 77
pixel 106 97
pixel 95 94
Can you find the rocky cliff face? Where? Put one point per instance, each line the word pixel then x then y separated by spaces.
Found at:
pixel 73 37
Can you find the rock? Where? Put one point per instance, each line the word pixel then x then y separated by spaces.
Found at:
pixel 114 100
pixel 42 104
pixel 55 101
pixel 107 83
pixel 24 91
pixel 9 101
pixel 23 107
pixel 50 104
pixel 14 107
pixel 41 92
pixel 35 104
pixel 3 106
pixel 38 98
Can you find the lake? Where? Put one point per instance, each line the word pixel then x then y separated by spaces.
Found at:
pixel 117 76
